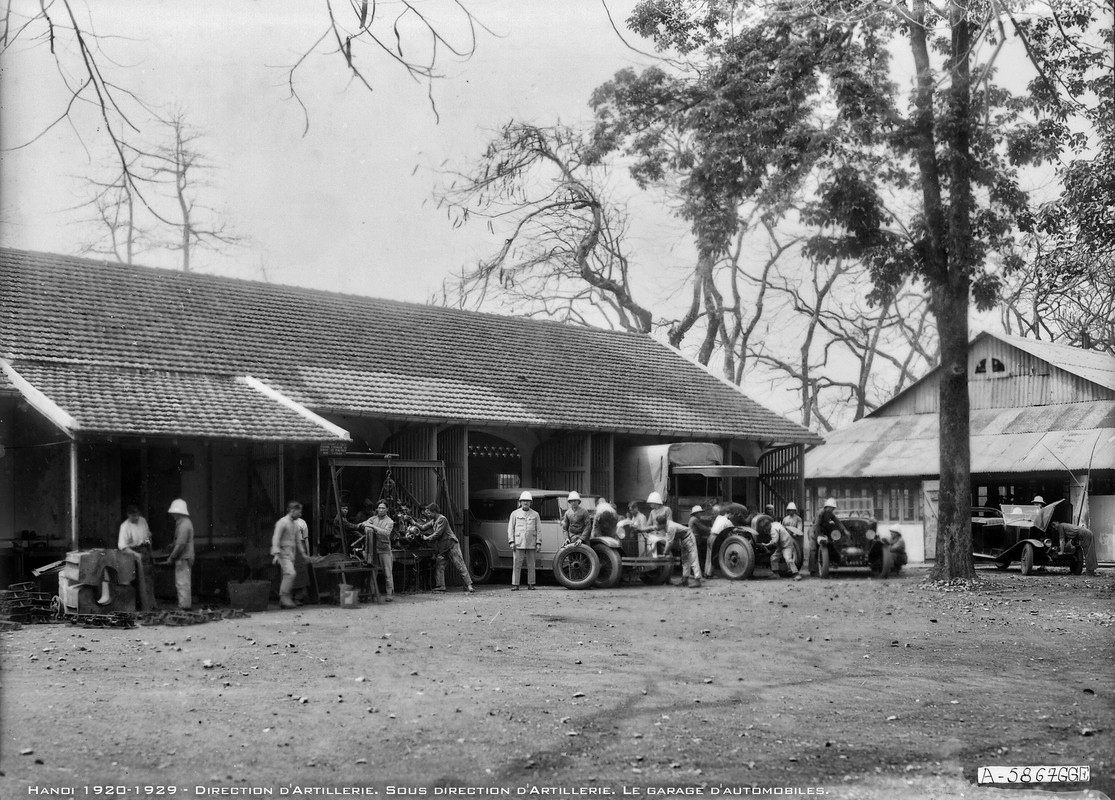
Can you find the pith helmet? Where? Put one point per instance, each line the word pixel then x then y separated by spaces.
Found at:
pixel 791 506
pixel 1039 500
pixel 654 498
pixel 830 503
pixel 696 510
pixel 527 496
pixel 572 496
pixel 179 507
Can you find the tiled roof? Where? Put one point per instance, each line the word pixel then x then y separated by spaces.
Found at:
pixel 1077 436
pixel 156 403
pixel 349 354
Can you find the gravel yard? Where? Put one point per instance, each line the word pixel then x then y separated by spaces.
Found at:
pixel 847 687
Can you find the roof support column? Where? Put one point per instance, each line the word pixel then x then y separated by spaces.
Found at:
pixel 73 493
pixel 801 478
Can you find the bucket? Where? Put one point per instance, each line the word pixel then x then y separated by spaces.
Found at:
pixel 349 596
pixel 249 595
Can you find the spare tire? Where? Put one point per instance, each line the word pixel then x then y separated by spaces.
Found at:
pixel 576 566
pixel 611 569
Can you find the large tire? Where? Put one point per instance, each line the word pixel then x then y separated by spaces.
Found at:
pixel 610 568
pixel 576 566
pixel 479 563
pixel 824 561
pixel 888 562
pixel 659 576
pixel 1027 559
pixel 737 557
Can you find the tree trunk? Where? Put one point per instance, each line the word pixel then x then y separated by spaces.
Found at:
pixel 954 510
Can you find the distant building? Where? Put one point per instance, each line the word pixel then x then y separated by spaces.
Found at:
pixel 1042 423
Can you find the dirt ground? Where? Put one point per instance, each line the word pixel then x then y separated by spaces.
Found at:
pixel 848 687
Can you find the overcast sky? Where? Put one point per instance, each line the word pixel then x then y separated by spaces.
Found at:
pixel 349 205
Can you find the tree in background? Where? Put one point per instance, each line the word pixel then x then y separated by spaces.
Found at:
pixel 154 204
pixel 411 38
pixel 563 255
pixel 797 106
pixel 1060 282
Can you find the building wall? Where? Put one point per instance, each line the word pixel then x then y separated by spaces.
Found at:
pixel 452 450
pixel 7 470
pixel 564 462
pixel 1010 378
pixel 890 501
pixel 34 491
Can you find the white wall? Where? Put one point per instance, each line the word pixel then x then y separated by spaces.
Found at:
pixel 1101 510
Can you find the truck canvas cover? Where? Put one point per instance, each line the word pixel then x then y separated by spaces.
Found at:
pixel 642 470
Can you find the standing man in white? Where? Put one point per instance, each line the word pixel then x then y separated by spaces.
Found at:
pixel 524 537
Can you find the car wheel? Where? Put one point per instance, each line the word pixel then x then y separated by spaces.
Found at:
pixel 888 562
pixel 610 568
pixel 737 557
pixel 479 563
pixel 824 561
pixel 1027 559
pixel 576 566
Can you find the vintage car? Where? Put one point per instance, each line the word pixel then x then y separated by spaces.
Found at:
pixel 864 546
pixel 740 549
pixel 1018 533
pixel 989 535
pixel 490 509
pixel 601 562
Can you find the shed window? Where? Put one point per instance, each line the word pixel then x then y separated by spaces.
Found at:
pixel 996 366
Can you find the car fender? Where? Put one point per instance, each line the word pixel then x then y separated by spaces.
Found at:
pixel 487 545
pixel 1013 552
pixel 608 541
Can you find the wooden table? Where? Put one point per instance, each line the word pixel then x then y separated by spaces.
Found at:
pixel 366 572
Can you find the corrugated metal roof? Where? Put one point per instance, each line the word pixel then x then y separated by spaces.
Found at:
pixel 1092 365
pixel 360 355
pixel 1035 439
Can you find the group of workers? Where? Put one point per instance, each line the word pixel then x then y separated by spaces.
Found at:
pixel 134 539
pixel 290 540
pixel 707 525
pixel 377 527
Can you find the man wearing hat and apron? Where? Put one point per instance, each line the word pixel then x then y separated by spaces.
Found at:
pixel 182 556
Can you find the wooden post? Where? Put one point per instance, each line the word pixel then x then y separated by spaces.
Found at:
pixel 317 505
pixel 73 494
